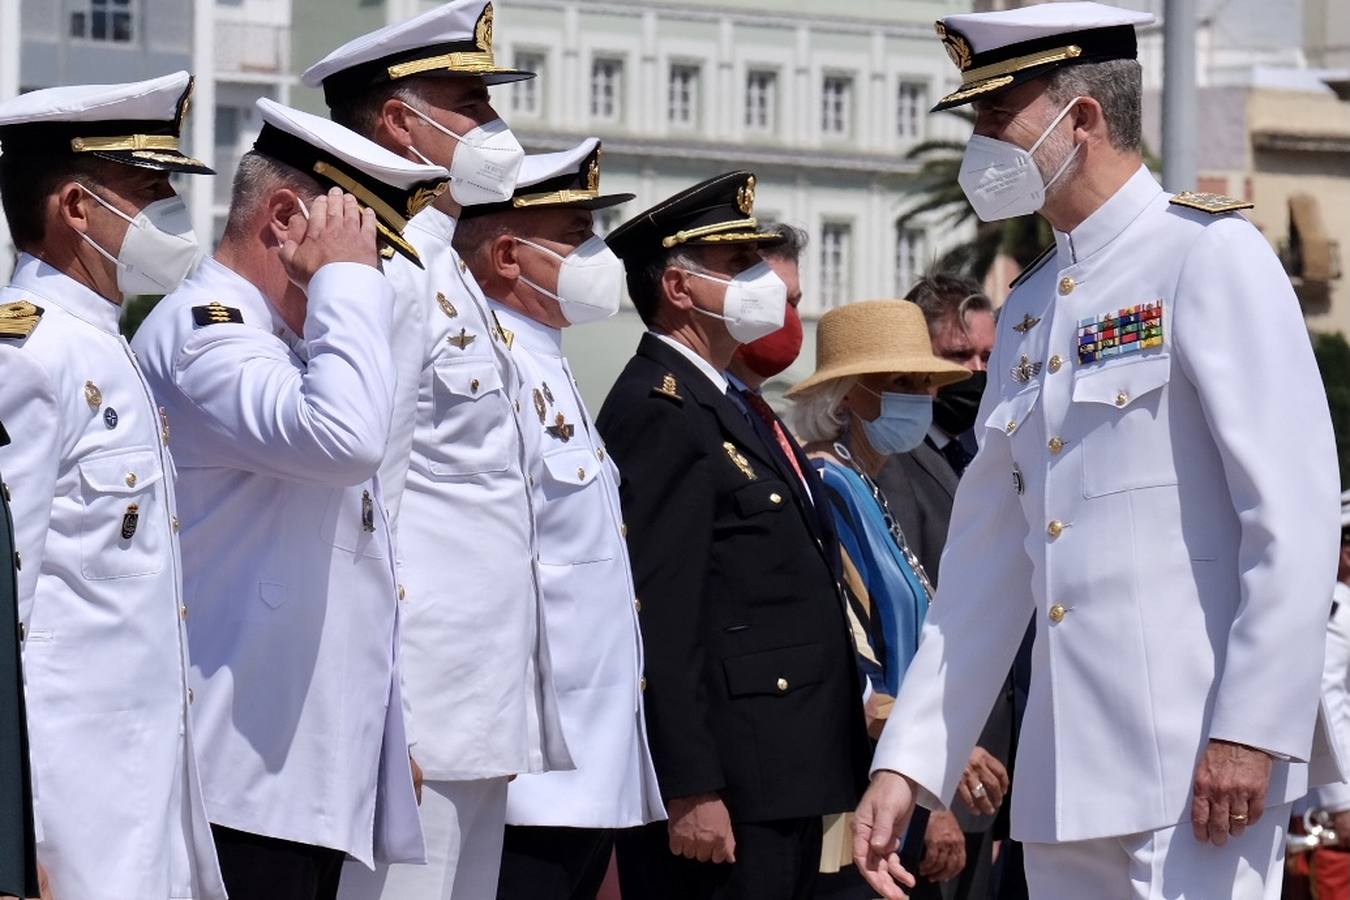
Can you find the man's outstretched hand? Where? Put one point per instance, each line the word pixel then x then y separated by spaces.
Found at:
pixel 878 826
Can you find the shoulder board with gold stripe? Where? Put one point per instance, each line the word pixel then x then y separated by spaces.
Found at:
pixel 1033 266
pixel 216 313
pixel 669 389
pixel 1214 204
pixel 18 319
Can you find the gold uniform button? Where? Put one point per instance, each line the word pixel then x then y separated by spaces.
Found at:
pixel 637 604
pixel 623 529
pixel 1055 528
pixel 581 473
pixel 1057 613
pixel 473 385
pixel 182 611
pixel 600 454
pixel 642 683
pixel 1066 286
pixel 131 479
pixel 402 592
pixel 1122 398
pixel 1056 363
pixel 1056 445
pixel 782 685
pixel 191 696
pixel 775 498
pixel 1010 427
pixel 175 524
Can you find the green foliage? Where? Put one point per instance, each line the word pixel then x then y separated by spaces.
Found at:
pixel 134 311
pixel 1333 359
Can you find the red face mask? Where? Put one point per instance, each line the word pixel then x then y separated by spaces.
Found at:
pixel 773 353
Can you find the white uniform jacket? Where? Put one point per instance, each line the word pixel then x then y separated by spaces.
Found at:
pixel 1167 514
pixel 476 661
pixel 1336 694
pixel 100 597
pixel 590 605
pixel 287 555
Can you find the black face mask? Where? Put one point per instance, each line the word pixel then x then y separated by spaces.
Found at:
pixel 956 405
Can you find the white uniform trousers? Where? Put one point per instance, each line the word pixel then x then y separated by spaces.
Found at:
pixel 1167 864
pixel 463 823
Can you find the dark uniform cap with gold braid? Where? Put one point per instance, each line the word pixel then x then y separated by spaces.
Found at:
pixel 715 212
pixel 566 179
pixel 395 188
pixel 998 50
pixel 453 39
pixel 137 124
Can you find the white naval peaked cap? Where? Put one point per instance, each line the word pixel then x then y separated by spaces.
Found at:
pixel 997 50
pixel 395 188
pixel 137 123
pixel 565 178
pixel 454 39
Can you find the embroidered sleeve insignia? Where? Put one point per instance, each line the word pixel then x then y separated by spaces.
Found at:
pixel 216 313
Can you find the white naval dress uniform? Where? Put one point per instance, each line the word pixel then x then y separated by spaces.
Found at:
pixel 590 606
pixel 289 561
pixel 1168 516
pixel 1336 695
pixel 475 651
pixel 100 596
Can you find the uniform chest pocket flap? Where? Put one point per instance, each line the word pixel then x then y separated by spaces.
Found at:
pixel 122 519
pixel 473 429
pixel 571 469
pixel 1011 413
pixel 775 672
pixel 761 497
pixel 1120 411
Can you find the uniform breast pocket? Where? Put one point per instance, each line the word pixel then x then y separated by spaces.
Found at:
pixel 580 528
pixel 473 430
pixel 775 673
pixel 1012 413
pixel 1120 409
pixel 121 527
pixel 761 497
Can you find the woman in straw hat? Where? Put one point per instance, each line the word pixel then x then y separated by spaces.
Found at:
pixel 870 396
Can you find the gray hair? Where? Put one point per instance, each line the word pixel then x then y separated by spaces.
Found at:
pixel 947 295
pixel 473 237
pixel 256 179
pixel 1117 85
pixel 360 111
pixel 815 412
pixel 794 242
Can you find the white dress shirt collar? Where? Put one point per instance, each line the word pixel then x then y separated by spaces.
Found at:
pixel 717 378
pixel 1109 220
pixel 533 336
pixel 52 284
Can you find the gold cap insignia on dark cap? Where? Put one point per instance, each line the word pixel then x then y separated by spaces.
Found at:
pixel 593 173
pixel 482 32
pixel 958 48
pixel 745 197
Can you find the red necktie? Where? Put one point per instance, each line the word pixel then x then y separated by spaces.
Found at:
pixel 765 412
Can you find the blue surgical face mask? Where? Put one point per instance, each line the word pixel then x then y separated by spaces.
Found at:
pixel 904 420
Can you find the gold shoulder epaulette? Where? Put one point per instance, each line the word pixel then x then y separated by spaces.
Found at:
pixel 216 313
pixel 669 389
pixel 1033 266
pixel 18 319
pixel 1214 204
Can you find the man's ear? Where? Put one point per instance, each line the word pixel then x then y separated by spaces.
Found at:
pixel 502 253
pixel 675 285
pixel 71 205
pixel 395 122
pixel 279 213
pixel 1088 119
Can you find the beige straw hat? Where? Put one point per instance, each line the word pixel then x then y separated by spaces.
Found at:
pixel 876 336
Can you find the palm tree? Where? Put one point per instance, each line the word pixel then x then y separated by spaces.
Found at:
pixel 940 199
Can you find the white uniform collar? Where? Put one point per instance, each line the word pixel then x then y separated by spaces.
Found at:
pixel 434 223
pixel 1109 220
pixel 32 274
pixel 256 307
pixel 535 337
pixel 716 377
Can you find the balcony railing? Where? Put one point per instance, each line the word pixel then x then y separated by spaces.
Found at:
pixel 248 48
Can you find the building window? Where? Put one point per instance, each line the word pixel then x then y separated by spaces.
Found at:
pixel 910 107
pixel 606 89
pixel 836 249
pixel 761 102
pixel 102 20
pixel 526 99
pixel 683 100
pixel 836 112
pixel 909 249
